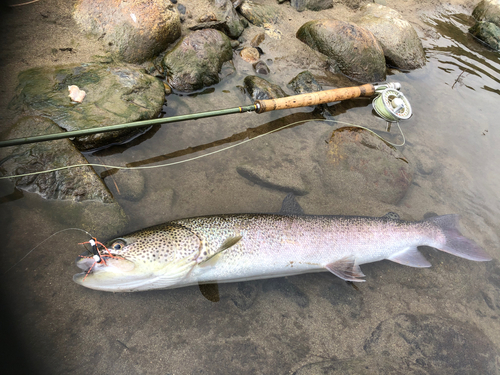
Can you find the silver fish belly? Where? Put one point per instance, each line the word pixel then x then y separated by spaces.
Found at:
pixel 229 248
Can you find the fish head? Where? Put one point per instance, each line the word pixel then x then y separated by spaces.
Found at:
pixel 155 258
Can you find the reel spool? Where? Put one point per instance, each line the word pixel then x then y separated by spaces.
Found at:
pixel 392 105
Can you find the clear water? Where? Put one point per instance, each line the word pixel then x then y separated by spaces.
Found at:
pixel 443 319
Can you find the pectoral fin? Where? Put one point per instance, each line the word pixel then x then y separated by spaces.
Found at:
pixel 210 291
pixel 230 241
pixel 410 257
pixel 347 269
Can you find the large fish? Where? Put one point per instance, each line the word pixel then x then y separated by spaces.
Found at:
pixel 229 248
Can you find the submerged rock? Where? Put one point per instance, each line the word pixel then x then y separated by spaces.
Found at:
pixel 304 83
pixel 351 49
pixel 399 40
pixel 487 27
pixel 259 13
pixel 115 94
pixel 233 26
pixel 77 184
pixel 487 11
pixel 250 54
pixel 488 32
pixel 132 30
pixel 260 67
pixel 260 89
pixel 355 163
pixel 196 60
pixel 315 5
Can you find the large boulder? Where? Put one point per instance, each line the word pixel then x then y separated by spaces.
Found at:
pixel 351 49
pixel 115 94
pixel 487 27
pixel 196 60
pixel 132 30
pixel 488 32
pixel 355 163
pixel 488 11
pixel 399 40
pixel 76 184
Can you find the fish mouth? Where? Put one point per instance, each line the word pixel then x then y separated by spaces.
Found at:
pixel 110 267
pixel 84 261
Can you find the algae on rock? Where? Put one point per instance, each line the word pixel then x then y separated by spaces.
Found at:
pixel 116 94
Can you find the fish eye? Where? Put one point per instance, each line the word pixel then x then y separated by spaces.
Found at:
pixel 117 245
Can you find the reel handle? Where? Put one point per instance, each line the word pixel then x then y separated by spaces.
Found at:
pixel 314 98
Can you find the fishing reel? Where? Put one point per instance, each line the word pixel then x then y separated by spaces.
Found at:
pixel 391 104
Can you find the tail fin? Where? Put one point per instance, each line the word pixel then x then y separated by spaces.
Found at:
pixel 456 244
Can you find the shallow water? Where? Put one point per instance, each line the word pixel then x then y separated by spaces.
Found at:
pixel 402 320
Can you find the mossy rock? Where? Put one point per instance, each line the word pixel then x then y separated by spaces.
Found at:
pixel 115 94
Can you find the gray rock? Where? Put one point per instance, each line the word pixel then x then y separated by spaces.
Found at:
pixel 259 13
pixel 351 49
pixel 356 164
pixel 304 83
pixel 233 26
pixel 77 184
pixel 316 5
pixel 488 32
pixel 260 67
pixel 488 11
pixel 260 89
pixel 195 62
pixel 280 176
pixel 115 94
pixel 399 40
pixel 132 30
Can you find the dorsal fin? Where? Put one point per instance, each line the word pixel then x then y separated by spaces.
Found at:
pixel 392 216
pixel 290 206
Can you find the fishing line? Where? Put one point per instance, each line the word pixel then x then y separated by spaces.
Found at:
pixel 210 153
pixel 52 235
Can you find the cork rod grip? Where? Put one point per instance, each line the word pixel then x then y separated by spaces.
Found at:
pixel 315 98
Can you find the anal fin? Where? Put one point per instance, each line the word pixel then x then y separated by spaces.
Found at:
pixel 411 258
pixel 347 269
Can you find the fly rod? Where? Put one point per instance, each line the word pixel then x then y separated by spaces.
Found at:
pixel 396 107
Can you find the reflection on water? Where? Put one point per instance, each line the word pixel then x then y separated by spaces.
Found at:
pixel 402 320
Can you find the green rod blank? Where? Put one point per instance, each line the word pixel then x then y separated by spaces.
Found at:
pixel 130 125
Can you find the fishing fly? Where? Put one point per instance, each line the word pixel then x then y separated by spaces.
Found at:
pixel 97 256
